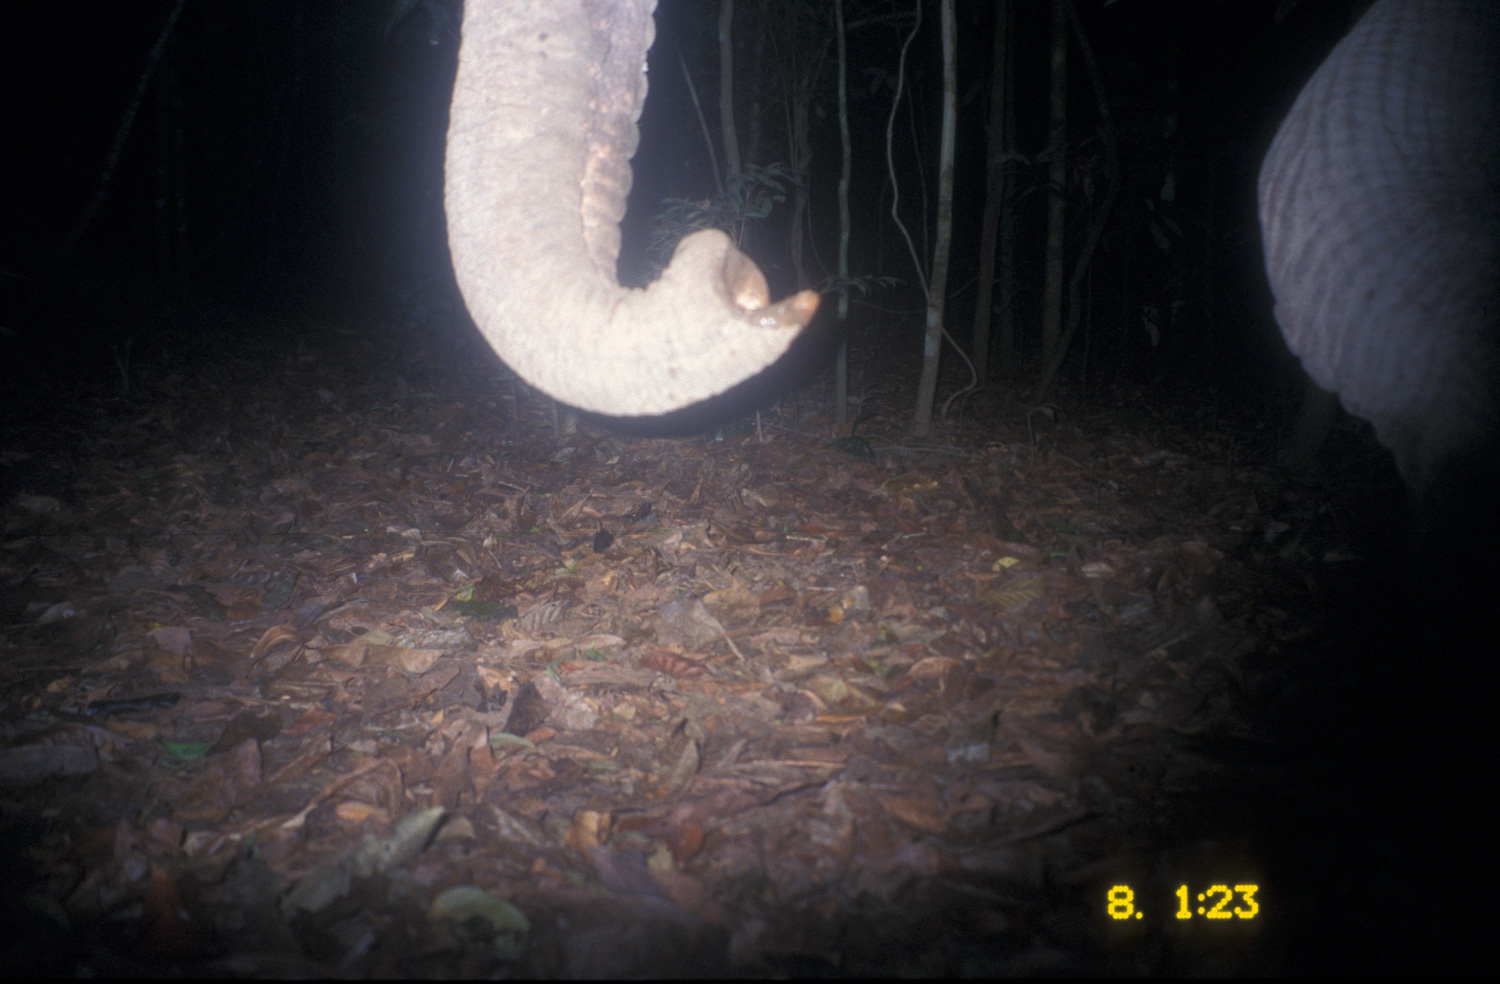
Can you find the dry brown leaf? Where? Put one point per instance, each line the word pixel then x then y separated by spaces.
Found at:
pixel 356 812
pixel 672 664
pixel 926 813
pixel 590 828
pixel 169 930
pixel 403 658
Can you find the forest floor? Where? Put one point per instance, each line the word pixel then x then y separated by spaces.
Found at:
pixel 332 659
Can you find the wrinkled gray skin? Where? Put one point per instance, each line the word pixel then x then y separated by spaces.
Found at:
pixel 542 128
pixel 1380 212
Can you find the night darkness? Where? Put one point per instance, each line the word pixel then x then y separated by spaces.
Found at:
pixel 212 306
pixel 293 153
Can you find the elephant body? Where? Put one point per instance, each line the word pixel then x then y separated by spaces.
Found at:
pixel 541 131
pixel 1380 214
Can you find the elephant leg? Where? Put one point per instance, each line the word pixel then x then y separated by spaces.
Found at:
pixel 1380 213
pixel 1316 411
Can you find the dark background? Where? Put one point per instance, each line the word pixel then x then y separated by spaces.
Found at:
pixel 287 157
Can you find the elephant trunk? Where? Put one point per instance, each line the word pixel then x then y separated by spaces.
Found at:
pixel 1380 214
pixel 542 127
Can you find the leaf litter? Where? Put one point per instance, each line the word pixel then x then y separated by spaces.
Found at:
pixel 318 671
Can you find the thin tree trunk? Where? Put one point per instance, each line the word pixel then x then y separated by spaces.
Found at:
pixel 757 85
pixel 932 339
pixel 708 139
pixel 1057 207
pixel 1007 347
pixel 797 79
pixel 127 119
pixel 726 89
pixel 841 360
pixel 800 160
pixel 1112 181
pixel 994 195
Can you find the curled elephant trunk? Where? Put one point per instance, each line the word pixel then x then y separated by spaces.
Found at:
pixel 542 128
pixel 1380 213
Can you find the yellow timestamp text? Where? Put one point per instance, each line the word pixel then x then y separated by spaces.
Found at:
pixel 1214 902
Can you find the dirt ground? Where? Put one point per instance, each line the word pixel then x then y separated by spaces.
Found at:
pixel 331 658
